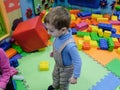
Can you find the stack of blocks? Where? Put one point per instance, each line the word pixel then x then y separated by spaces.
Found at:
pixel 31 34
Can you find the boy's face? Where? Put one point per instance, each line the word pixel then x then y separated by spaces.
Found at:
pixel 53 31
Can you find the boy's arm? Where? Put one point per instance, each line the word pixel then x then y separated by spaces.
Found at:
pixel 76 59
pixel 5 69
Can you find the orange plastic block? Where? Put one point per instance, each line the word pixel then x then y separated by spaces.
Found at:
pixel 86 46
pixel 31 34
pixel 116 45
pixel 74 11
pixel 11 52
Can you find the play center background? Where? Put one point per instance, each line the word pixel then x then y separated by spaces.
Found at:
pixel 28 46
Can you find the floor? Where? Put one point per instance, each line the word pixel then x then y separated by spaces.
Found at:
pixel 100 70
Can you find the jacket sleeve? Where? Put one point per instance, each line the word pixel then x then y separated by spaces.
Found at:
pixel 5 69
pixel 76 59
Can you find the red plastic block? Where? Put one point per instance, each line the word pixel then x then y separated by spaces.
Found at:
pixel 31 35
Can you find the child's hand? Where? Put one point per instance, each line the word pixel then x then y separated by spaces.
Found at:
pixel 51 54
pixel 1 89
pixel 73 80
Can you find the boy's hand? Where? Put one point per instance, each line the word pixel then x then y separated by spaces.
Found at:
pixel 73 80
pixel 51 54
pixel 1 89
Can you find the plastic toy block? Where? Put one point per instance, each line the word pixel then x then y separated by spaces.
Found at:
pixel 78 20
pixel 74 11
pixel 109 82
pixel 107 16
pixel 42 49
pixel 115 39
pixel 14 62
pixel 31 34
pixel 5 45
pixel 110 44
pixel 106 34
pixel 82 26
pixel 72 23
pixel 73 17
pixel 94 36
pixel 84 14
pixel 81 34
pixel 11 52
pixel 117 45
pixel 118 50
pixel 86 46
pixel 93 43
pixel 74 31
pixel 100 32
pixel 114 17
pixel 86 17
pixel 17 48
pixel 87 38
pixel 93 22
pixel 103 44
pixel 102 20
pixel 95 16
pixel 113 30
pixel 94 28
pixel 114 22
pixel 80 44
pixel 114 66
pixel 105 26
pixel 115 35
pixel 44 66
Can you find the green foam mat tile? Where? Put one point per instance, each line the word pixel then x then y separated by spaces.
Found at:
pixel 91 71
pixel 20 85
pixel 114 66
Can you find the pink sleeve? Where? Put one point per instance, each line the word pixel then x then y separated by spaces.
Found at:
pixel 5 69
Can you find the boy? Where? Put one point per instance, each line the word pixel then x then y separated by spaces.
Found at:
pixel 67 59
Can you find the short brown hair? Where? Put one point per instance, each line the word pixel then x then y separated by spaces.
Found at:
pixel 58 17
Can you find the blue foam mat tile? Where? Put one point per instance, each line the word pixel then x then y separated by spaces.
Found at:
pixel 109 82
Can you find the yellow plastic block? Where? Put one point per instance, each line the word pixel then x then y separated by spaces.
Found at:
pixel 80 44
pixel 93 43
pixel 118 50
pixel 106 34
pixel 114 17
pixel 100 32
pixel 94 28
pixel 87 38
pixel 95 16
pixel 73 17
pixel 44 66
pixel 115 39
pixel 102 20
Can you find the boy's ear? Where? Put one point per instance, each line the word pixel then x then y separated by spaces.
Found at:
pixel 64 29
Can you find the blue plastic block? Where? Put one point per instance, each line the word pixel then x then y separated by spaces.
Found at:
pixel 105 26
pixel 17 56
pixel 14 62
pixel 110 82
pixel 115 35
pixel 5 45
pixel 84 14
pixel 74 31
pixel 113 30
pixel 103 44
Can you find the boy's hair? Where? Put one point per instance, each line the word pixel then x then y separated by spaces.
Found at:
pixel 58 17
